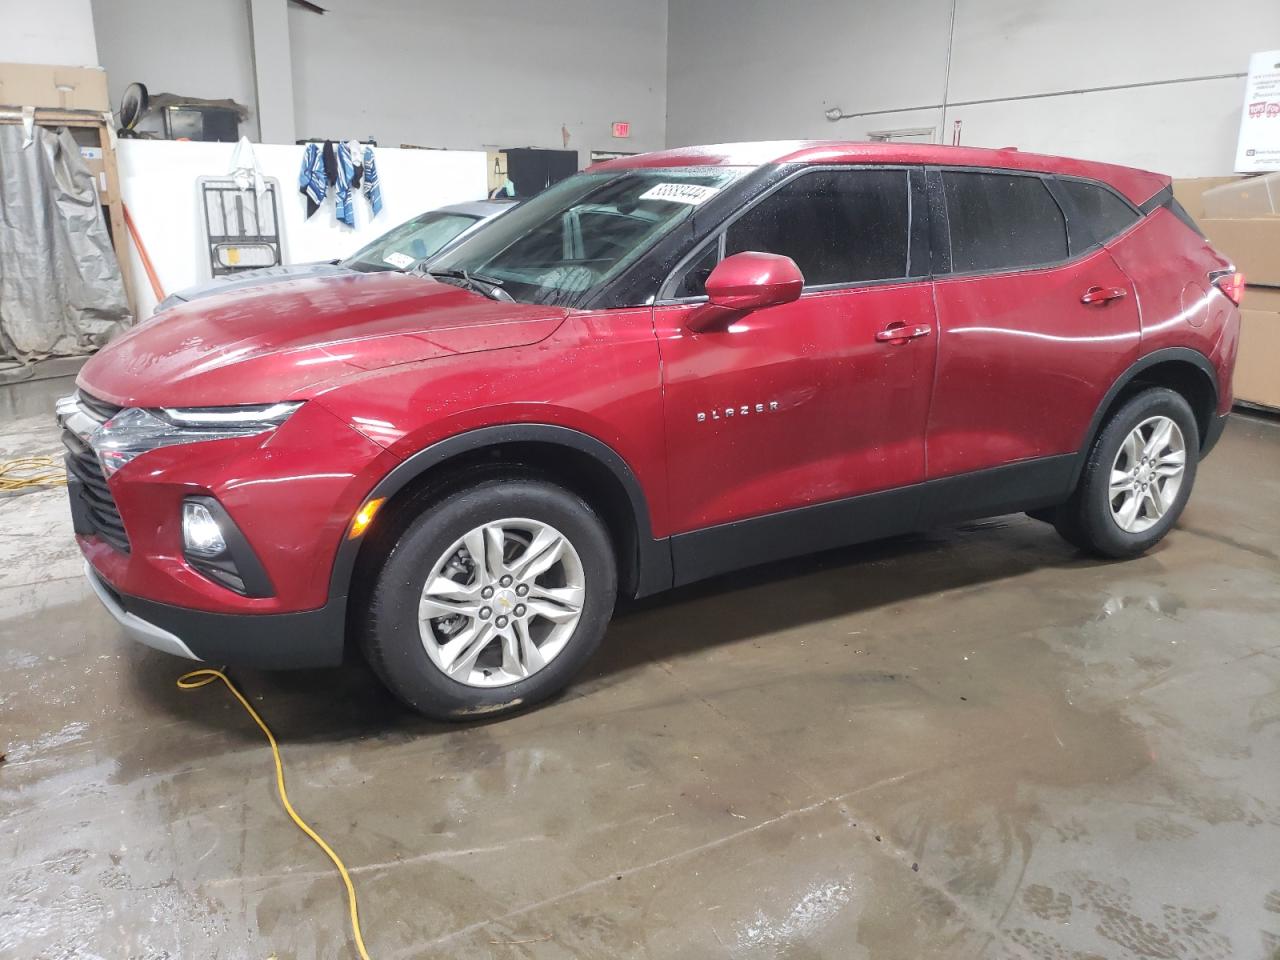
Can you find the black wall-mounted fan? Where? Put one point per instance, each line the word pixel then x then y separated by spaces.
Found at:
pixel 133 105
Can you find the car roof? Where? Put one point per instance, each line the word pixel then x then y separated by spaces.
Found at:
pixel 477 208
pixel 1137 185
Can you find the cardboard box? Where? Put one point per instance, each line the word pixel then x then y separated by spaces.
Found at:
pixel 1188 192
pixel 1250 197
pixel 1261 299
pixel 64 88
pixel 1257 376
pixel 1252 245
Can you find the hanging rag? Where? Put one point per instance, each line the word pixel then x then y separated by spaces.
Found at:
pixel 356 165
pixel 245 170
pixel 311 178
pixel 330 159
pixel 372 191
pixel 343 208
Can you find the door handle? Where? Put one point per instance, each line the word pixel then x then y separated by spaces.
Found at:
pixel 1103 294
pixel 900 333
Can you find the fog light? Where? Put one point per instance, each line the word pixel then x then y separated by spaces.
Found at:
pixel 201 535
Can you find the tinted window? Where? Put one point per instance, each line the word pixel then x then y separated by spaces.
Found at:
pixel 838 226
pixel 693 283
pixel 1103 212
pixel 1001 222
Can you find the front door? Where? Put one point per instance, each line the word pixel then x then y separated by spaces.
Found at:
pixel 813 401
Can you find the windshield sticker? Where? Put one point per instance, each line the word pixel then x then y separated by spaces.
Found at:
pixel 398 260
pixel 690 193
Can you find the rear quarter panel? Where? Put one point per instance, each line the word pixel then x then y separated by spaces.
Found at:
pixel 1169 265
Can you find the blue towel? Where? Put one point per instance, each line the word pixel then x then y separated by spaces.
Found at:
pixel 372 192
pixel 311 179
pixel 342 205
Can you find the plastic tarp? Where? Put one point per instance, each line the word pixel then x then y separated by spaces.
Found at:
pixel 61 293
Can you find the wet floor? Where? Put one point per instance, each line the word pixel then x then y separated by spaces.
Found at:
pixel 973 743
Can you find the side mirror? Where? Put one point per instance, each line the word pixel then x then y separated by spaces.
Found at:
pixel 745 282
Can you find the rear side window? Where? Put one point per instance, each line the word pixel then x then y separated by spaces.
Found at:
pixel 839 226
pixel 1104 214
pixel 1002 222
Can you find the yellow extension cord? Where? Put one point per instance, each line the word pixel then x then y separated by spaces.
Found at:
pixel 199 678
pixel 34 472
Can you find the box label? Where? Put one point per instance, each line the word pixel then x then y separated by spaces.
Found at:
pixel 1258 149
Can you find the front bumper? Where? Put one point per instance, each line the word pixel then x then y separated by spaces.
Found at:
pixel 309 638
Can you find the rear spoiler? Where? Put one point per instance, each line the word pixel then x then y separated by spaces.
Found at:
pixel 1166 199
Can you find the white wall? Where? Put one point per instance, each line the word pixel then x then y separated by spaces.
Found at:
pixel 47 31
pixel 506 73
pixel 746 69
pixel 197 48
pixel 159 183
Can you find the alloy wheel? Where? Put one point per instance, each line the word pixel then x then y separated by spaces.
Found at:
pixel 1147 474
pixel 502 602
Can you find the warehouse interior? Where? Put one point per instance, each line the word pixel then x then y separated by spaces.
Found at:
pixel 968 739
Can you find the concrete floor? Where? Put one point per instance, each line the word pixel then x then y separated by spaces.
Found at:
pixel 975 743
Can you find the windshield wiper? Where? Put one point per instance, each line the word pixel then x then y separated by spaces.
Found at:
pixel 490 287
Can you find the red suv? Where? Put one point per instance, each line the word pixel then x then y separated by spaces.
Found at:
pixel 664 368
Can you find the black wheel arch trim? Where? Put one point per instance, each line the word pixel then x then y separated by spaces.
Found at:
pixel 653 562
pixel 1163 355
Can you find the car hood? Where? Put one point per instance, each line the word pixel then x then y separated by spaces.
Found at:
pixel 287 341
pixel 254 278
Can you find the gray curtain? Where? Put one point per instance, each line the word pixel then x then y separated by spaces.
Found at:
pixel 60 288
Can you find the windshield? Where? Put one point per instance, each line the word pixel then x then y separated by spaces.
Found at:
pixel 417 239
pixel 567 242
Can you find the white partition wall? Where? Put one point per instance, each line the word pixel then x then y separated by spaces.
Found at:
pixel 159 182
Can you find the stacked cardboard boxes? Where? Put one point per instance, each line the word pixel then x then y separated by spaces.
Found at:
pixel 1241 218
pixel 59 88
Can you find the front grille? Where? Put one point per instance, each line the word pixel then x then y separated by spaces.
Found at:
pixel 93 508
pixel 99 410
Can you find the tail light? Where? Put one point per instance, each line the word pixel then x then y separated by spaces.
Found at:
pixel 1230 282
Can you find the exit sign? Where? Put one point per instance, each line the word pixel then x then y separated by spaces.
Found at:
pixel 622 129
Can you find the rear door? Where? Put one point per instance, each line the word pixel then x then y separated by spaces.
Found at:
pixel 808 402
pixel 1035 324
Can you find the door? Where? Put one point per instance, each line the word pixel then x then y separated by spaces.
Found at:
pixel 815 400
pixel 1033 327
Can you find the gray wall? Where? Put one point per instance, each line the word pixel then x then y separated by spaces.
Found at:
pixel 198 48
pixel 435 73
pixel 748 69
pixel 495 73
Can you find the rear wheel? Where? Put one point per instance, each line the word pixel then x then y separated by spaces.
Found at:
pixel 491 599
pixel 1137 478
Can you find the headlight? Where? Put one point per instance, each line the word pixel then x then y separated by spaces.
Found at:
pixel 134 431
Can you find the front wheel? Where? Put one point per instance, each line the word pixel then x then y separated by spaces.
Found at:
pixel 491 599
pixel 1137 478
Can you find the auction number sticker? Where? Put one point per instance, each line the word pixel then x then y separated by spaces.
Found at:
pixel 690 193
pixel 398 260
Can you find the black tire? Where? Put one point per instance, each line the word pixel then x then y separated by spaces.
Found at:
pixel 390 636
pixel 1086 521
